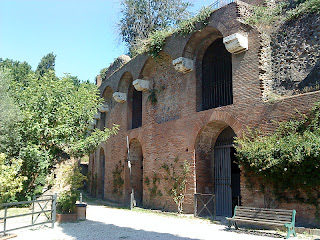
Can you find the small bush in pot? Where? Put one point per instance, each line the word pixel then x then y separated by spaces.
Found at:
pixel 66 202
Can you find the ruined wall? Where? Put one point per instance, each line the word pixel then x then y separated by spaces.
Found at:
pixel 174 128
pixel 296 56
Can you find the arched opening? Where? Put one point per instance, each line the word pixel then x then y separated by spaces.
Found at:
pixel 136 159
pixel 216 170
pixel 134 108
pixel 93 187
pixel 107 105
pixel 101 174
pixel 226 174
pixel 216 80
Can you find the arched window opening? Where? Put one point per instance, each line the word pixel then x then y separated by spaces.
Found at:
pixel 134 108
pixel 216 76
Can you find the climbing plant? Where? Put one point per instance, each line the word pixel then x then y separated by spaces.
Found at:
pixel 287 160
pixel 177 179
pixel 117 179
pixel 153 185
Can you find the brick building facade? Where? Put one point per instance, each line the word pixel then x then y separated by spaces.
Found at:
pixel 170 111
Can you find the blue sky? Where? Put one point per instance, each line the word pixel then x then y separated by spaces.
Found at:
pixel 82 33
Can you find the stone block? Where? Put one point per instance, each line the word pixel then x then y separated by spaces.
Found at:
pixel 183 64
pixel 120 97
pixel 236 43
pixel 104 108
pixel 141 85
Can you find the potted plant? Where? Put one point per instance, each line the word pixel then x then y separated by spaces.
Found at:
pixel 66 206
pixel 70 180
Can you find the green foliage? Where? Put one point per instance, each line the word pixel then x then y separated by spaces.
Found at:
pixel 282 11
pixel 46 64
pixel 154 191
pixel 19 71
pixel 266 15
pixel 178 180
pixel 152 97
pixel 71 178
pixel 155 41
pixel 66 202
pixel 10 138
pixel 189 25
pixel 142 17
pixel 45 119
pixel 10 179
pixel 103 73
pixel 117 179
pixel 286 161
pixel 304 7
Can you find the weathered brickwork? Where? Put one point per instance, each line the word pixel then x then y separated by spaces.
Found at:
pixel 175 128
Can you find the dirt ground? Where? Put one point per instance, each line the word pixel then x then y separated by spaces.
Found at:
pixel 113 223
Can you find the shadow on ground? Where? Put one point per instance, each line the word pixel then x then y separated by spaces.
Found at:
pixel 98 230
pixel 254 232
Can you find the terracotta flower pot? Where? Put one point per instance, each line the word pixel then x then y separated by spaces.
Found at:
pixel 66 217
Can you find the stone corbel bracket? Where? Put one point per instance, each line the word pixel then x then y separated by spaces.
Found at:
pixel 141 85
pixel 97 115
pixel 104 108
pixel 236 43
pixel 120 97
pixel 182 64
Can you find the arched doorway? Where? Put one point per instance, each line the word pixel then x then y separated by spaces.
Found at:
pixel 136 159
pixel 216 170
pixel 101 174
pixel 226 174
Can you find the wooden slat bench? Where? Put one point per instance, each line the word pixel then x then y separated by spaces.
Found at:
pixel 264 216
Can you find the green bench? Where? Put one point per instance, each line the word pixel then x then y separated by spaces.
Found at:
pixel 264 216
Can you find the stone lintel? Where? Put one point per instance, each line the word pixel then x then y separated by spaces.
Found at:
pixel 120 97
pixel 183 64
pixel 141 85
pixel 236 43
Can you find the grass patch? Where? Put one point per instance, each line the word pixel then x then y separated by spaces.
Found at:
pixel 15 211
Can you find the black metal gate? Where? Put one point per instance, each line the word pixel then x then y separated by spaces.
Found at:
pixel 216 76
pixel 222 174
pixel 136 109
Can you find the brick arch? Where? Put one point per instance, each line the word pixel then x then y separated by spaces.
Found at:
pixel 200 40
pixel 101 173
pixel 152 63
pixel 206 135
pixel 136 158
pixel 124 83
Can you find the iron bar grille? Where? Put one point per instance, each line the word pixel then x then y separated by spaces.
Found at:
pixel 136 109
pixel 216 76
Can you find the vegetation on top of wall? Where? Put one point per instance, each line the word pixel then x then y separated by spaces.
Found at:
pixel 281 11
pixel 286 161
pixel 156 40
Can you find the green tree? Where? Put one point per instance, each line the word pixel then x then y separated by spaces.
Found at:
pixel 10 138
pixel 46 64
pixel 51 117
pixel 142 17
pixel 11 180
pixel 18 70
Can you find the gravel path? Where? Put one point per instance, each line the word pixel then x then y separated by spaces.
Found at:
pixel 111 223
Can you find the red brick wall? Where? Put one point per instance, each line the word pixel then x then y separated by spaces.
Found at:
pixel 173 128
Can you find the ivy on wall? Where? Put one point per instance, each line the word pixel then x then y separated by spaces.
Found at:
pixel 286 161
pixel 117 179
